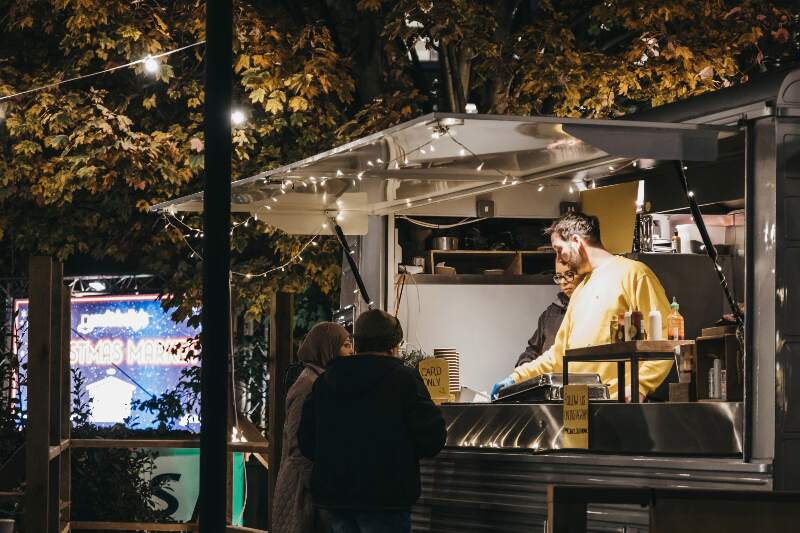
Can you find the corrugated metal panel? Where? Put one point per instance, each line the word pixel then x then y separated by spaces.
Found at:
pixel 483 492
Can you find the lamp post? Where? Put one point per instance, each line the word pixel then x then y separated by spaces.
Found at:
pixel 215 355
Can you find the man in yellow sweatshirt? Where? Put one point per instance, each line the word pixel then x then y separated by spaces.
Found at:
pixel 611 285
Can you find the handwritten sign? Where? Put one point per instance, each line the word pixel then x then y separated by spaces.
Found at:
pixel 576 416
pixel 435 374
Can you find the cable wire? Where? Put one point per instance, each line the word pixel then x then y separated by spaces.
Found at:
pixel 112 69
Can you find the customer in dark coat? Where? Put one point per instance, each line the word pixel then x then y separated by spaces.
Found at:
pixel 366 424
pixel 551 319
pixel 292 509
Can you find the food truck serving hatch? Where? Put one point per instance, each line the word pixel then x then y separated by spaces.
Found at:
pixel 442 156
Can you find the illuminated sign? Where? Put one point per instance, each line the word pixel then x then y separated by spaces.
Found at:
pixel 127 348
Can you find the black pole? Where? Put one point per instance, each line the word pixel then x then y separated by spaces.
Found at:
pixel 710 250
pixel 353 267
pixel 216 267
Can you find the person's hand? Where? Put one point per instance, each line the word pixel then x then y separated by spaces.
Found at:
pixel 501 385
pixel 628 395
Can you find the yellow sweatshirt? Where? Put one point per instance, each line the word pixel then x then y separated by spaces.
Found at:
pixel 617 286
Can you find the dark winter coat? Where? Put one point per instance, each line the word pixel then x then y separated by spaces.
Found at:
pixel 365 425
pixel 546 330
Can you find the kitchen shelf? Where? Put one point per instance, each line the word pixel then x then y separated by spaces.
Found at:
pixel 473 262
pixel 476 279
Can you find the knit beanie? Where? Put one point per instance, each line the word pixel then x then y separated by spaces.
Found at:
pixel 377 331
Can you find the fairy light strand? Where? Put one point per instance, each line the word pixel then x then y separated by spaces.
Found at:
pixel 106 71
pixel 247 275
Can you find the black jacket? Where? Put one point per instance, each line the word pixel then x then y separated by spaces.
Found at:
pixel 365 425
pixel 546 330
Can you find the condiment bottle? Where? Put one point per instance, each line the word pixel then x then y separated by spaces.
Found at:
pixel 676 242
pixel 620 328
pixel 675 322
pixel 654 325
pixel 637 326
pixel 627 324
pixel 613 327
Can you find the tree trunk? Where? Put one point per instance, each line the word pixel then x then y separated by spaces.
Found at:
pixel 465 55
pixel 368 58
pixel 458 87
pixel 497 97
pixel 447 76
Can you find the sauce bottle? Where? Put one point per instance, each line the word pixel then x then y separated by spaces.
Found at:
pixel 637 326
pixel 675 322
pixel 676 242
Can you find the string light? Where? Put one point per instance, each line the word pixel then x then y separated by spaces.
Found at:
pixel 147 62
pixel 151 66
pixel 237 117
pixel 282 268
pixel 541 188
pixel 479 167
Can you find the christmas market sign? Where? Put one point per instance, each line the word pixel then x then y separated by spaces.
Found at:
pixel 435 374
pixel 576 416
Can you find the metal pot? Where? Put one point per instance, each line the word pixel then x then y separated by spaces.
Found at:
pixel 444 243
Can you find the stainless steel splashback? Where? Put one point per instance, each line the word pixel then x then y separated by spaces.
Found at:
pixel 703 429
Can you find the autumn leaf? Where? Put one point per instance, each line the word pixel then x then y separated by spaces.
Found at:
pixel 196 144
pixel 258 95
pixel 242 64
pixel 298 103
pixel 149 102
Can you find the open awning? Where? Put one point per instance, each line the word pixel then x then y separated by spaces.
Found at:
pixel 440 157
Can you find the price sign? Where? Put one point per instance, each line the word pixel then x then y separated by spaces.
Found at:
pixel 576 416
pixel 436 377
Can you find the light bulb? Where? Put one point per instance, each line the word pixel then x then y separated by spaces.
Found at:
pixel 541 188
pixel 479 167
pixel 237 117
pixel 151 66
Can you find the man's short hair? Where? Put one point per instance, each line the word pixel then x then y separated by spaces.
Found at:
pixel 574 223
pixel 377 331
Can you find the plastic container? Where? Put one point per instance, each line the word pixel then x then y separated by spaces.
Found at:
pixel 654 325
pixel 675 322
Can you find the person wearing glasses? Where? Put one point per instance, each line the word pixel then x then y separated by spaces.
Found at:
pixel 550 319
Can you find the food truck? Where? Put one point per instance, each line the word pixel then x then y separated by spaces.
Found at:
pixel 443 218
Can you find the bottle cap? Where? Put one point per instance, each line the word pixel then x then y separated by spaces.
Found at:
pixel 674 304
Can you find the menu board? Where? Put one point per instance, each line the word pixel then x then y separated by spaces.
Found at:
pixel 576 416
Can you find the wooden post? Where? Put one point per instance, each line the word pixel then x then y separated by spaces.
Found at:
pixel 56 378
pixel 65 478
pixel 281 345
pixel 37 432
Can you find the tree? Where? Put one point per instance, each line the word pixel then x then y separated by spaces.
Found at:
pixel 82 162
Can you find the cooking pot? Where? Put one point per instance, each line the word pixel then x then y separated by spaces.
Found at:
pixel 444 243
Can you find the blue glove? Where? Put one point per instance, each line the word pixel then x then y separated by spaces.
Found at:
pixel 501 385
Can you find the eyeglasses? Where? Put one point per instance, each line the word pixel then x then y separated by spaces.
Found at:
pixel 567 276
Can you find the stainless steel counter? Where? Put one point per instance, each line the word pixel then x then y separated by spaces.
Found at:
pixel 652 428
pixel 493 474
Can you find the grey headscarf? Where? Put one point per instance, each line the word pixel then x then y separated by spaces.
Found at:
pixel 322 344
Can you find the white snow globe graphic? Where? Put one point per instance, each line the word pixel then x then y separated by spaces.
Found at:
pixel 111 399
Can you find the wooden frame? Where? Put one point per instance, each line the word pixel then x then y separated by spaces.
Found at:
pixel 47 442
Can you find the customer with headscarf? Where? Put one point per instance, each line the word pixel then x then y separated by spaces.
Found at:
pixel 292 511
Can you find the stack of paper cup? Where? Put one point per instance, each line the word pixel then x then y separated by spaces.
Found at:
pixel 453 367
